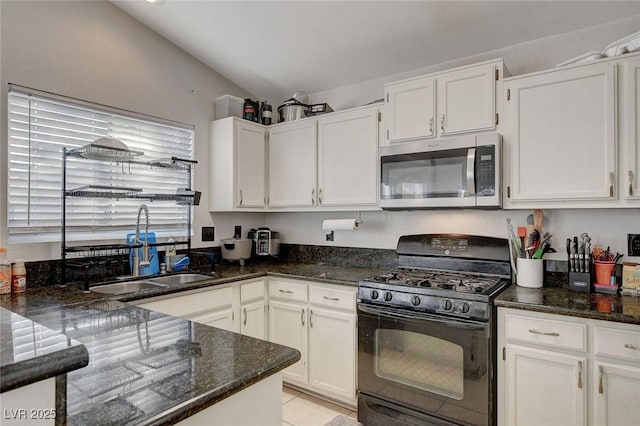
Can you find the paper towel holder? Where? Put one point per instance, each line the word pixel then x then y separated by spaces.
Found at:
pixel 330 232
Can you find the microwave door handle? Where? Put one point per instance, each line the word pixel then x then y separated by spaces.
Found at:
pixel 471 171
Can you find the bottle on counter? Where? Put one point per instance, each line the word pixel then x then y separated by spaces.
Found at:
pixel 5 272
pixel 19 277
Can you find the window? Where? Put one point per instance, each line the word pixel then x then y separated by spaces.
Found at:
pixel 40 125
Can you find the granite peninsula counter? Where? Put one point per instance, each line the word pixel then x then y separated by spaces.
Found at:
pixel 149 368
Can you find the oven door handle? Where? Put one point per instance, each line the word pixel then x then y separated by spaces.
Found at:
pixel 449 322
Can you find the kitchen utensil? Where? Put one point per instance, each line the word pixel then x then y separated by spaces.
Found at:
pixel 522 234
pixel 265 242
pixel 513 245
pixel 291 110
pixel 251 110
pixel 301 97
pixel 534 240
pixel 537 220
pixel 266 113
pixel 236 249
pixel 318 109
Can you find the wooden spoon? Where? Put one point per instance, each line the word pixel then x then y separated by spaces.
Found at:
pixel 537 220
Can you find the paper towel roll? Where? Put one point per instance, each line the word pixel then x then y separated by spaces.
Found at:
pixel 340 224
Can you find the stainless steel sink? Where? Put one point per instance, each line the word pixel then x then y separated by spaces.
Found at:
pixel 126 287
pixel 180 279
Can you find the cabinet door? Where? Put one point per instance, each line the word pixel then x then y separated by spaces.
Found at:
pixel 466 100
pixel 252 319
pixel 616 389
pixel 223 318
pixel 631 100
pixel 348 158
pixel 288 327
pixel 409 110
pixel 544 388
pixel 292 164
pixel 250 164
pixel 332 353
pixel 562 135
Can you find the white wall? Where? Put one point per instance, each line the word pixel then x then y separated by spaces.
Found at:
pixel 96 52
pixel 382 229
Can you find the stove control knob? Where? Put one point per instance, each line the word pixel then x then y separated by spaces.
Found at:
pixel 388 296
pixel 464 307
pixel 415 300
pixel 447 305
pixel 374 294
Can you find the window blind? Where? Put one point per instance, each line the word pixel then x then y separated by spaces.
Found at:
pixel 39 126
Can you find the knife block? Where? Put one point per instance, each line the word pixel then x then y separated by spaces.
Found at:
pixel 581 281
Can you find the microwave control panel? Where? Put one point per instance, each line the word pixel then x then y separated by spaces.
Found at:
pixel 486 170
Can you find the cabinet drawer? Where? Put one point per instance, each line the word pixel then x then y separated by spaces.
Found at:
pixel 559 334
pixel 252 291
pixel 332 297
pixel 189 304
pixel 616 343
pixel 287 290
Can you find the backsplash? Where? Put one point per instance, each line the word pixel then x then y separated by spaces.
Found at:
pixel 48 273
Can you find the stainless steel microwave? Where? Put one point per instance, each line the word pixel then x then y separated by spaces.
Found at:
pixel 460 172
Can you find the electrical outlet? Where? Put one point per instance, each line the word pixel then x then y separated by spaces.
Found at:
pixel 633 244
pixel 329 236
pixel 208 233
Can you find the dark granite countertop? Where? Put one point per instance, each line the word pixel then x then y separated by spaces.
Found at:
pixel 55 296
pixel 31 352
pixel 150 368
pixel 561 301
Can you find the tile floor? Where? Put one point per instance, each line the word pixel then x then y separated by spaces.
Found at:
pixel 299 409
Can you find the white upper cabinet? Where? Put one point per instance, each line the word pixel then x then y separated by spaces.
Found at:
pixel 560 137
pixel 630 130
pixel 348 158
pixel 466 100
pixel 410 109
pixel 237 151
pixel 292 164
pixel 437 105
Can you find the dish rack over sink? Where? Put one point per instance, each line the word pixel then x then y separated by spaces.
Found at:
pixel 88 263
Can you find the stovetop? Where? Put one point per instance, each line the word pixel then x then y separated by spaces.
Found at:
pixel 439 280
pixel 447 293
pixel 443 274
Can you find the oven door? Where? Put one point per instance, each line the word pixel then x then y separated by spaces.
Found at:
pixel 430 364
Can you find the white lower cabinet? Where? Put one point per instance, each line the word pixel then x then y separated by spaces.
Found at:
pixel 288 327
pixel 238 307
pixel 563 370
pixel 331 369
pixel 320 321
pixel 544 387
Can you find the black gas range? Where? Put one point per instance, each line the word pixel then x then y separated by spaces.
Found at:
pixel 426 345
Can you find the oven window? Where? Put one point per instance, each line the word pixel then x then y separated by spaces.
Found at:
pixel 420 361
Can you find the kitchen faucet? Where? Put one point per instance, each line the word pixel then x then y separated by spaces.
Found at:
pixel 137 263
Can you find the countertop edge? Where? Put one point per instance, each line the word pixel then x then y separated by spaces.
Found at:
pixel 202 402
pixel 43 367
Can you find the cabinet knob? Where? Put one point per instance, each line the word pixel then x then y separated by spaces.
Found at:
pixel 244 321
pixel 320 196
pixel 442 123
pixel 302 317
pixel 241 197
pixel 431 125
pixel 313 197
pixel 311 318
pixel 630 183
